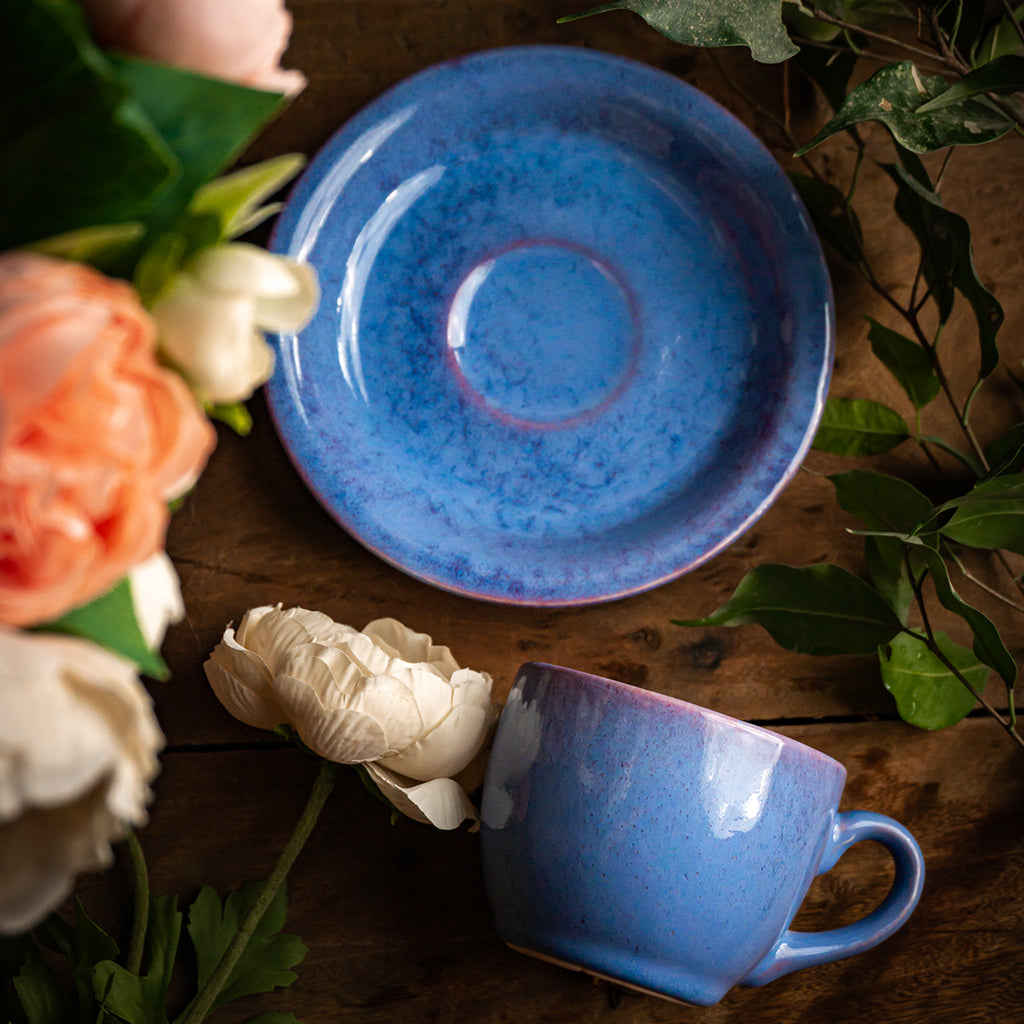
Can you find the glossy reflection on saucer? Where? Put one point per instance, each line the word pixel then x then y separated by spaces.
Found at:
pixel 576 330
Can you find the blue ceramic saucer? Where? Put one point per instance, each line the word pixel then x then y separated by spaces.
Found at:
pixel 576 329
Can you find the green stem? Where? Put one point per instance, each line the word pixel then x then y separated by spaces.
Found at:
pixel 322 786
pixel 1006 109
pixel 1012 15
pixel 881 58
pixel 967 458
pixel 967 575
pixel 933 645
pixel 855 173
pixel 140 914
pixel 951 57
pixel 871 34
pixel 970 398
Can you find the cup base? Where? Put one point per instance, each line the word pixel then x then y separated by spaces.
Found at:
pixel 547 958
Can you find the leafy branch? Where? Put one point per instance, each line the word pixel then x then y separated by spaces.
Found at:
pixel 238 946
pixel 951 75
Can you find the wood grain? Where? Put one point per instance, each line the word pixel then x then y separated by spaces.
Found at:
pixel 395 917
pixel 399 929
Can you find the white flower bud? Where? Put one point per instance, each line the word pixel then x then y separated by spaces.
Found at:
pixel 211 317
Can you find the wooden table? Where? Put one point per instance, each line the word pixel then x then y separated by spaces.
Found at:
pixel 396 916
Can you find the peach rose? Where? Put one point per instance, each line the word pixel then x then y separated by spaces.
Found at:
pixel 239 40
pixel 95 436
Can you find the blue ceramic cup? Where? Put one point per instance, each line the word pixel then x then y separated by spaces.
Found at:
pixel 665 846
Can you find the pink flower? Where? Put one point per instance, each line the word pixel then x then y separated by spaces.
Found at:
pixel 239 40
pixel 95 436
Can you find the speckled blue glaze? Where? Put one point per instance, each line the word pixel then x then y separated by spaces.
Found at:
pixel 575 334
pixel 666 846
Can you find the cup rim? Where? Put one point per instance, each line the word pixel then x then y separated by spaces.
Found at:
pixel 678 703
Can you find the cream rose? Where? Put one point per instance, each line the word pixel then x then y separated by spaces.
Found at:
pixel 386 697
pixel 212 316
pixel 78 750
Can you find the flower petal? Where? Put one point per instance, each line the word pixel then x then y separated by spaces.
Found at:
pixel 211 338
pixel 321 628
pixel 291 312
pixel 472 687
pixel 78 750
pixel 373 660
pixel 243 702
pixel 246 269
pixel 43 850
pixel 71 713
pixel 439 802
pixel 339 684
pixel 338 734
pixel 433 695
pixel 401 642
pixel 156 595
pixel 272 634
pixel 447 749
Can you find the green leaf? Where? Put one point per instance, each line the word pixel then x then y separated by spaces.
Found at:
pixel 374 790
pixel 820 609
pixel 1006 454
pixel 235 198
pixel 77 149
pixel 864 13
pixel 235 415
pixel 83 945
pixel 219 210
pixel 867 12
pixel 906 361
pixel 859 426
pixel 101 246
pixel 1002 39
pixel 988 644
pixel 207 122
pixel 991 515
pixel 171 251
pixel 802 23
pixel 754 23
pixel 915 167
pixel 43 1001
pixel 13 953
pixel 91 945
pixel 893 96
pixel 835 221
pixel 142 999
pixel 968 458
pixel 927 693
pixel 881 502
pixel 266 961
pixel 947 259
pixel 110 621
pixel 887 567
pixel 1003 75
pixel 963 21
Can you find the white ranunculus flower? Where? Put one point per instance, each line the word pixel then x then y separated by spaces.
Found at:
pixel 78 750
pixel 212 316
pixel 386 698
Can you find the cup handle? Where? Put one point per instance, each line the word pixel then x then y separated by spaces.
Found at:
pixel 794 950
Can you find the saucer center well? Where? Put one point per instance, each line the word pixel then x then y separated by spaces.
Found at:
pixel 543 333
